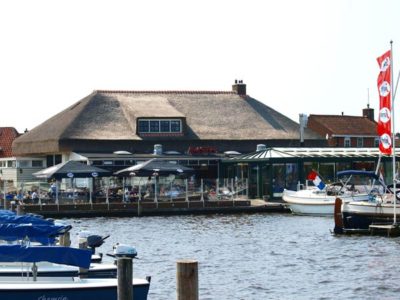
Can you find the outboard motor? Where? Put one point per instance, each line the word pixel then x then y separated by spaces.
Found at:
pixel 95 241
pixel 121 250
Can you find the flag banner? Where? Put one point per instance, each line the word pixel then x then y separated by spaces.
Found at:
pixel 313 176
pixel 385 105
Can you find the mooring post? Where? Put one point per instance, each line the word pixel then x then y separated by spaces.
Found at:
pixel 124 276
pixel 19 210
pixel 187 280
pixel 83 245
pixel 65 239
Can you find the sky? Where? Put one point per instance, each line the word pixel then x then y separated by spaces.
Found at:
pixel 296 56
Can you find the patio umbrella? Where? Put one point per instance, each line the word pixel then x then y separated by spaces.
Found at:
pixel 72 169
pixel 156 167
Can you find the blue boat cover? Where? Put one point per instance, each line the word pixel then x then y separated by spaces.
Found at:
pixel 6 217
pixel 44 234
pixel 54 254
pixel 357 172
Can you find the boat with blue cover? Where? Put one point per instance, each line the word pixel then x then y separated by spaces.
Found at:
pixel 71 288
pixel 33 229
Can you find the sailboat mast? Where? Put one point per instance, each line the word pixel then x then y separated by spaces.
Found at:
pixel 393 135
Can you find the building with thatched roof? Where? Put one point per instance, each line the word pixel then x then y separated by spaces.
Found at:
pixel 118 129
pixel 134 121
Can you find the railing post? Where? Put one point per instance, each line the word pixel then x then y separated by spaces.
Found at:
pixel 202 189
pixel 187 190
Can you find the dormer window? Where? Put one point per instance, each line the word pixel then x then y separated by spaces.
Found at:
pixel 159 126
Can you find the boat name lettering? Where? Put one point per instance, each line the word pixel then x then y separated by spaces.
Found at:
pixel 44 297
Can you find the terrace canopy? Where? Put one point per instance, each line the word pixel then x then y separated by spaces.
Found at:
pixel 72 169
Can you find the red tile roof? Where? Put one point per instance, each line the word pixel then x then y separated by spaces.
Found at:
pixel 7 136
pixel 343 125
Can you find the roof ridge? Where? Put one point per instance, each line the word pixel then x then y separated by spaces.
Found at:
pixel 163 92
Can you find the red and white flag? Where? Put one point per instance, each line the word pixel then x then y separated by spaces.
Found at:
pixel 385 105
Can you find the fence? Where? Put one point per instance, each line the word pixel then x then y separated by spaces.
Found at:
pixel 109 190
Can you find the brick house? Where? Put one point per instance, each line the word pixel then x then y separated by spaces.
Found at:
pixel 346 131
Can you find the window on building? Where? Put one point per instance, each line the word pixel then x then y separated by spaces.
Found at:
pixel 52 160
pixel 37 164
pixel 159 126
pixel 360 142
pixel 24 163
pixel 144 126
pixel 11 164
pixel 347 142
pixel 376 142
pixel 119 163
pixel 165 126
pixel 154 126
pixel 176 126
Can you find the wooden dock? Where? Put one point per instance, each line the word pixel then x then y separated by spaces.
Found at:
pixel 145 208
pixel 391 230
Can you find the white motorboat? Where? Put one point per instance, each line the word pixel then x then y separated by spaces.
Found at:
pixel 355 216
pixel 318 202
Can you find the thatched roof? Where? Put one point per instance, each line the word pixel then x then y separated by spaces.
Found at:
pixel 112 115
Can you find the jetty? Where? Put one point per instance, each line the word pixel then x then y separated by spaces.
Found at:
pixel 147 208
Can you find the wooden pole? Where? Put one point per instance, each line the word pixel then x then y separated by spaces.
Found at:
pixel 187 280
pixel 124 276
pixel 83 245
pixel 65 239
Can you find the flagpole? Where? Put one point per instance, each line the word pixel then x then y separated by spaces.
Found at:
pixel 393 135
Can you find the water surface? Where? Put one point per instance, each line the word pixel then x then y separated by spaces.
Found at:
pixel 256 256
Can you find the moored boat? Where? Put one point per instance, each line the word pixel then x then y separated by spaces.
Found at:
pixel 320 202
pixel 359 215
pixel 34 287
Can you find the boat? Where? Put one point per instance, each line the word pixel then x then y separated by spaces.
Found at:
pixel 71 288
pixel 358 216
pixel 320 202
pixel 32 229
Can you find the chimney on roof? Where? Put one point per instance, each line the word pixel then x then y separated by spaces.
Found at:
pixel 239 87
pixel 369 113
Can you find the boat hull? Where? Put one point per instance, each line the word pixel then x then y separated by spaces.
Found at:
pixel 48 270
pixel 309 202
pixel 359 215
pixel 95 289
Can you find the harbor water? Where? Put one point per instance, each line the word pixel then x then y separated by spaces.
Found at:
pixel 255 256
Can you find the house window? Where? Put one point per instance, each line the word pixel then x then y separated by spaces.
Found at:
pixel 24 163
pixel 176 126
pixel 159 126
pixel 144 126
pixel 154 126
pixel 37 163
pixel 360 143
pixel 376 142
pixel 165 126
pixel 347 142
pixel 11 164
